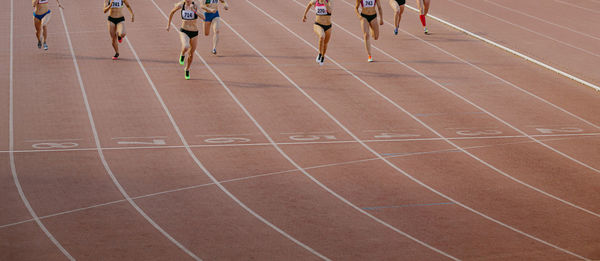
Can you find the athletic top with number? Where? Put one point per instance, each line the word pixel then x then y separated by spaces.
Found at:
pixel 321 9
pixel 211 2
pixel 368 3
pixel 117 4
pixel 42 1
pixel 188 14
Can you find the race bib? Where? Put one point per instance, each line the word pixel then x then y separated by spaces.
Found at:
pixel 321 10
pixel 187 15
pixel 117 4
pixel 42 1
pixel 211 1
pixel 368 3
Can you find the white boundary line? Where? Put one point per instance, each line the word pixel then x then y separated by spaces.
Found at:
pixel 577 6
pixel 399 155
pixel 527 58
pixel 101 154
pixel 388 162
pixel 197 161
pixel 479 108
pixel 13 167
pixel 542 20
pixel 307 143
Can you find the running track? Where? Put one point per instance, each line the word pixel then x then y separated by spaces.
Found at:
pixel 445 148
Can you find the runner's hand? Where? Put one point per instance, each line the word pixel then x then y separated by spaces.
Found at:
pixel 381 21
pixel 132 18
pixel 304 19
pixel 168 27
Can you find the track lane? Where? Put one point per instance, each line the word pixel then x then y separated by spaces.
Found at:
pixel 283 19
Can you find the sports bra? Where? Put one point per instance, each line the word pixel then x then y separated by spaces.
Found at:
pixel 368 3
pixel 42 1
pixel 321 9
pixel 116 4
pixel 188 14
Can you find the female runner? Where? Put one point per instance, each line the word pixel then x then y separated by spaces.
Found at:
pixel 116 25
pixel 322 26
pixel 189 31
pixel 398 6
pixel 212 18
pixel 424 8
pixel 41 16
pixel 367 16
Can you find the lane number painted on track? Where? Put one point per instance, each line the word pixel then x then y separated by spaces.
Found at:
pixel 559 130
pixel 391 135
pixel 478 132
pixel 55 145
pixel 225 140
pixel 312 137
pixel 153 142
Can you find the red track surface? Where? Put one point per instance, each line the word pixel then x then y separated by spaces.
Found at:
pixel 444 148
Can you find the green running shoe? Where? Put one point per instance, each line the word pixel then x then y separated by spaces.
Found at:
pixel 187 75
pixel 182 60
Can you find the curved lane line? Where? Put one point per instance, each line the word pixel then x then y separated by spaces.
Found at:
pixel 101 154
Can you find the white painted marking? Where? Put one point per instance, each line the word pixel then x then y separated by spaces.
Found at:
pixel 130 138
pixel 153 142
pixel 478 132
pixel 577 6
pixel 425 125
pixel 51 145
pixel 226 135
pixel 11 130
pixel 312 137
pixel 341 126
pixel 391 135
pixel 265 175
pixel 543 20
pixel 191 153
pixel 560 130
pixel 101 154
pixel 574 78
pixel 226 140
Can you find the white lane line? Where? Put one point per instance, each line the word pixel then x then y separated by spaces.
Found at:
pixel 489 73
pixel 391 164
pixel 11 130
pixel 149 137
pixel 398 155
pixel 197 161
pixel 316 181
pixel 577 6
pixel 306 143
pixel 542 20
pixel 527 29
pixel 52 139
pixel 483 110
pixel 527 58
pixel 101 154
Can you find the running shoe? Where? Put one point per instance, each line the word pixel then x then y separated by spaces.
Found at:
pixel 116 57
pixel 182 60
pixel 370 59
pixel 120 39
pixel 322 60
pixel 187 75
pixel 214 51
pixel 396 31
pixel 39 45
pixel 425 31
pixel 318 60
pixel 45 47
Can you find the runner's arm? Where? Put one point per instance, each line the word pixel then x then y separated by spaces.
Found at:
pixel 310 3
pixel 130 10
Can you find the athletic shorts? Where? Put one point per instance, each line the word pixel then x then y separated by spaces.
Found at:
pixel 190 34
pixel 116 21
pixel 401 2
pixel 325 27
pixel 369 17
pixel 40 17
pixel 208 17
